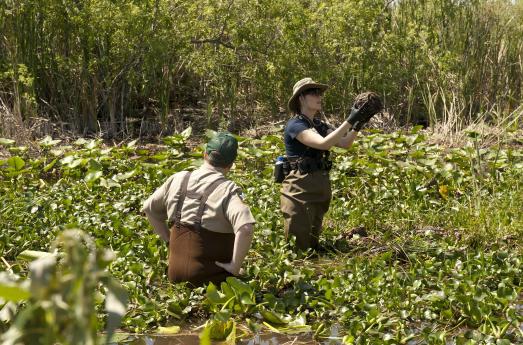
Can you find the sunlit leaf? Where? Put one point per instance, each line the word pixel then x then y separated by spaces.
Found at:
pixel 16 163
pixel 6 142
pixel 31 255
pixel 91 144
pixel 124 176
pixel 444 191
pixel 213 295
pixel 50 165
pixel 273 317
pixel 92 176
pixel 12 292
pixel 49 142
pixel 132 143
pixel 115 305
pixel 169 330
pixel 186 133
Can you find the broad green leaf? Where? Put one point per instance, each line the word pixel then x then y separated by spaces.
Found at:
pixel 411 139
pixel 115 305
pixel 205 336
pixel 108 183
pixel 92 176
pixel 16 163
pixel 231 337
pixel 18 149
pixel 49 142
pixel 223 315
pixel 169 330
pixel 273 317
pixel 435 296
pixel 80 141
pixel 215 330
pixel 124 176
pixel 94 165
pixel 246 299
pixel 78 162
pixel 227 290
pixel 209 133
pixel 91 144
pixel 31 255
pixel 6 142
pixel 214 296
pixel 67 160
pixel 12 292
pixel 132 143
pixel 238 286
pixel 186 133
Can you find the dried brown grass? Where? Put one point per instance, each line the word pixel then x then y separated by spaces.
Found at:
pixel 492 129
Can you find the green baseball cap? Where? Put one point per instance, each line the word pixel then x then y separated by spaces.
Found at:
pixel 222 148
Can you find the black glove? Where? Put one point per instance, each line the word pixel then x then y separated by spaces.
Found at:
pixel 359 125
pixel 357 117
pixel 366 105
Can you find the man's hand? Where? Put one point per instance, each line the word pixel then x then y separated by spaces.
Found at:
pixel 229 267
pixel 242 243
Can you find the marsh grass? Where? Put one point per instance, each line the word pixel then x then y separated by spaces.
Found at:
pixel 86 67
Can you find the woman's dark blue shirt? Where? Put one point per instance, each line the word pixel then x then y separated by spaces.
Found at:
pixel 296 125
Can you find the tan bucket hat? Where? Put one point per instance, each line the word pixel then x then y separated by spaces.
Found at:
pixel 299 87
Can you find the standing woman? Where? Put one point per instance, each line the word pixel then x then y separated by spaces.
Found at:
pixel 306 190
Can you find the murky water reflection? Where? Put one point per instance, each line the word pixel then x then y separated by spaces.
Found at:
pixel 193 339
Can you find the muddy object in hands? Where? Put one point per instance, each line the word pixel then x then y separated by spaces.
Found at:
pixel 371 103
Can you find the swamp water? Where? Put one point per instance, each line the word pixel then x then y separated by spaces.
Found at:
pixel 192 338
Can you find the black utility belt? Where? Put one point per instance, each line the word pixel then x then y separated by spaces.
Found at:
pixel 304 165
pixel 307 165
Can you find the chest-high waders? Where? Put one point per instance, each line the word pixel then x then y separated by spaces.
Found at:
pixel 193 250
pixel 305 197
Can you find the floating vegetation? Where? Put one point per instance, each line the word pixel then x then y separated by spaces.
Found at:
pixel 422 243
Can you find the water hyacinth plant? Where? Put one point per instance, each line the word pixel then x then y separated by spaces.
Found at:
pixel 422 241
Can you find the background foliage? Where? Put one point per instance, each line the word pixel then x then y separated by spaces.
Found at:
pixel 135 67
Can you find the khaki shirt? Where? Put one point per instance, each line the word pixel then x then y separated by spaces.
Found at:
pixel 224 212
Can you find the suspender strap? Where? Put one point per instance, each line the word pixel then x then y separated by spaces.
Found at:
pixel 181 199
pixel 203 201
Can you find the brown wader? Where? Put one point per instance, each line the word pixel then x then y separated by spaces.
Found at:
pixel 193 250
pixel 305 198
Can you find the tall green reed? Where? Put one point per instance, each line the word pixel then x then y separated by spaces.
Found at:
pixel 95 65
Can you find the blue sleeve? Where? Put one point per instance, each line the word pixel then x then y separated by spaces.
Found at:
pixel 295 127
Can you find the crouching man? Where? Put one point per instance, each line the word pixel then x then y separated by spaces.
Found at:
pixel 211 228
